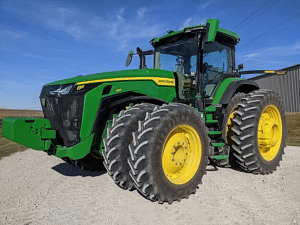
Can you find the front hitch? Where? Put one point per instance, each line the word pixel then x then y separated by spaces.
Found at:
pixel 33 133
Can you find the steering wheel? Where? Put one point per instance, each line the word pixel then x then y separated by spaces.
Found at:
pixel 204 67
pixel 180 63
pixel 179 60
pixel 217 77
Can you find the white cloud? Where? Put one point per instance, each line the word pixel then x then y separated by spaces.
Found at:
pixel 63 19
pixel 251 55
pixel 276 51
pixel 186 23
pixel 198 18
pixel 125 30
pixel 13 33
pixel 192 21
pixel 141 12
pixel 120 14
pixel 117 27
pixel 205 5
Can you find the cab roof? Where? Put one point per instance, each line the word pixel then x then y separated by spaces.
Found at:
pixel 220 31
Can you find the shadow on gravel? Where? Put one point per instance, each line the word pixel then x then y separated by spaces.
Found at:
pixel 72 171
pixel 239 169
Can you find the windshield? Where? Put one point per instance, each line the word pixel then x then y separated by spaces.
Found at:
pixel 217 60
pixel 179 56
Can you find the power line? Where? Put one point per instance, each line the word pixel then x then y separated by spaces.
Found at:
pixel 249 16
pixel 270 30
pixel 256 16
pixel 253 15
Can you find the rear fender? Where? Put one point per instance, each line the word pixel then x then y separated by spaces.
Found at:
pixel 244 86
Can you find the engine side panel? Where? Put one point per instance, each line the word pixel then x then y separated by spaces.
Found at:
pixel 92 99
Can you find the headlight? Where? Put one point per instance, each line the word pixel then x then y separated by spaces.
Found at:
pixel 59 89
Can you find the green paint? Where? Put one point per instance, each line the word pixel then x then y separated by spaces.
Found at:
pixel 93 97
pixel 229 33
pixel 172 34
pixel 116 74
pixel 211 109
pixel 90 107
pixel 214 132
pixel 213 28
pixel 220 157
pixel 31 132
pixel 218 144
pixel 210 119
pixel 212 22
pixel 77 151
pixel 220 91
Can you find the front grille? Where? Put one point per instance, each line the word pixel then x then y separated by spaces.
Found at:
pixel 65 114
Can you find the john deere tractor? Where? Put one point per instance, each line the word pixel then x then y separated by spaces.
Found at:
pixel 156 130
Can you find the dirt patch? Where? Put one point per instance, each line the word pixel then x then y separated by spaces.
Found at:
pixel 41 189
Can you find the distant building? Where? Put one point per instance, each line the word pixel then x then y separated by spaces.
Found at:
pixel 287 86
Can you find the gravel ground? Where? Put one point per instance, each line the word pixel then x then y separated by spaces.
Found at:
pixel 41 189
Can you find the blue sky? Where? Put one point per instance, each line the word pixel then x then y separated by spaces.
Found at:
pixel 44 41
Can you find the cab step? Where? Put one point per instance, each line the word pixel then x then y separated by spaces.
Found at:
pixel 217 144
pixel 214 132
pixel 220 157
pixel 211 121
pixel 211 109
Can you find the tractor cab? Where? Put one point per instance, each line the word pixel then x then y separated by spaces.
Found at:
pixel 203 55
pixel 200 57
pixel 216 61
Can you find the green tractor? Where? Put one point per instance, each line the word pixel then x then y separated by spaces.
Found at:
pixel 156 130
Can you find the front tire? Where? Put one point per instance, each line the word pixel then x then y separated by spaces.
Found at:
pixel 259 132
pixel 119 136
pixel 169 155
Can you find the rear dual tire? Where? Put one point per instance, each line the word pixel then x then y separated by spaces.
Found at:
pixel 227 132
pixel 259 132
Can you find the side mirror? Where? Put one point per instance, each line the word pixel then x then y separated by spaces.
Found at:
pixel 241 66
pixel 129 58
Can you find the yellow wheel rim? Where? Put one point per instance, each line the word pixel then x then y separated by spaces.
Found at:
pixel 269 133
pixel 229 132
pixel 182 152
pixel 229 122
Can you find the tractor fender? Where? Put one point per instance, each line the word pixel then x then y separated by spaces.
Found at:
pixel 112 104
pixel 244 86
pixel 138 99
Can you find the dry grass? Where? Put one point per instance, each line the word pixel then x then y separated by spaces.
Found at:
pixel 293 129
pixel 20 113
pixel 8 147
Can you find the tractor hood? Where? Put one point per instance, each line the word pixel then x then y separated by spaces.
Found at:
pixel 138 74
